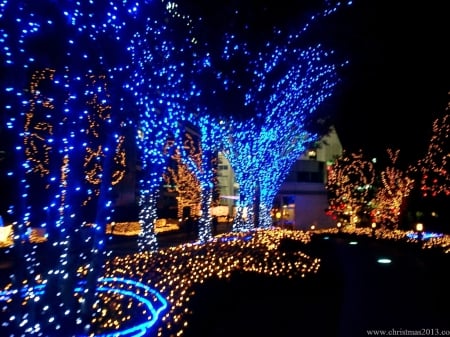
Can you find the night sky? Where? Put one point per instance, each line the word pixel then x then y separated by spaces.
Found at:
pixel 398 78
pixel 399 72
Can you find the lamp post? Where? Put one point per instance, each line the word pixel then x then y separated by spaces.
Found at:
pixel 374 227
pixel 339 226
pixel 278 217
pixel 419 230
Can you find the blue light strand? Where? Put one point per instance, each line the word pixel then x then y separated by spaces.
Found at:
pixel 201 164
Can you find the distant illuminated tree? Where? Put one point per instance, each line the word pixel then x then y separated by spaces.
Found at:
pixel 350 187
pixel 261 161
pixel 434 168
pixel 431 173
pixel 391 196
pixel 182 181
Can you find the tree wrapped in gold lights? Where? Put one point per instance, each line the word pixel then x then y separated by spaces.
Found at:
pixel 430 197
pixel 400 197
pixel 182 181
pixel 392 194
pixel 350 188
pixel 434 168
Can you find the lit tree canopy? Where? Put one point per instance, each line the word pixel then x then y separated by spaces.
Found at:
pixel 276 86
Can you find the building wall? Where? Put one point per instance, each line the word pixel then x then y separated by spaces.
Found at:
pixel 227 184
pixel 330 147
pixel 306 206
pixel 304 187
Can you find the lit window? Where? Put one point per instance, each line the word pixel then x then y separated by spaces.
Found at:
pixel 312 154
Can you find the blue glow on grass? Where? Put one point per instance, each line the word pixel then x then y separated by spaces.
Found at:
pixel 236 237
pixel 425 235
pixel 155 307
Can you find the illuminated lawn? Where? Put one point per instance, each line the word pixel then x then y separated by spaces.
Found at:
pixel 174 272
pixel 151 293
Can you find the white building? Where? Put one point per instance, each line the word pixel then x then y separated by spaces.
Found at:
pixel 229 189
pixel 302 197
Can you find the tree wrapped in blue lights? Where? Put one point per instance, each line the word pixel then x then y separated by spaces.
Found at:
pixel 162 63
pixel 276 86
pixel 65 118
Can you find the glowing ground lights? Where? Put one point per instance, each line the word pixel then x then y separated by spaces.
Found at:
pixel 175 271
pixel 150 302
pixel 384 261
pixel 149 293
